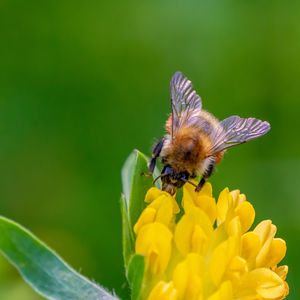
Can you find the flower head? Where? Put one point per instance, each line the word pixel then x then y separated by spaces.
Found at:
pixel 209 253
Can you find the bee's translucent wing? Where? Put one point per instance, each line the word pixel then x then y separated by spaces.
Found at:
pixel 235 130
pixel 186 104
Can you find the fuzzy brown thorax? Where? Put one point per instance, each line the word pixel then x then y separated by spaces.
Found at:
pixel 187 150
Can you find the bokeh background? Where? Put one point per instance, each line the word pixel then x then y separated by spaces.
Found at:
pixel 82 83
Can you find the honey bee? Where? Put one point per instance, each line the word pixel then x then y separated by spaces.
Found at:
pixel 195 140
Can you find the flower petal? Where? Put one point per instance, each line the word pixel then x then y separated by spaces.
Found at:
pixel 163 291
pixel 188 237
pixel 187 277
pixel 154 242
pixel 202 199
pixel 262 283
pixel 250 247
pixel 223 204
pixel 221 258
pixel 237 197
pixel 282 271
pixel 225 292
pixel 277 252
pixel 234 227
pixel 146 217
pixel 246 213
pixel 205 191
pixel 266 232
pixel 152 194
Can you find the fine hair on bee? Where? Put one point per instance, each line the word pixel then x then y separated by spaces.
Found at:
pixel 195 140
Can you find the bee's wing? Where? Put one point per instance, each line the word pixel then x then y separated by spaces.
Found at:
pixel 235 130
pixel 186 104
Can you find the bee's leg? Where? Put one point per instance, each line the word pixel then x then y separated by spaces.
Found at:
pixel 206 175
pixel 200 184
pixel 155 154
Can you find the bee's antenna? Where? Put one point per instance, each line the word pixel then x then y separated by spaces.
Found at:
pixel 160 176
pixel 190 182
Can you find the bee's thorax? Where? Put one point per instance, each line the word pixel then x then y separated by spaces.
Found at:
pixel 187 150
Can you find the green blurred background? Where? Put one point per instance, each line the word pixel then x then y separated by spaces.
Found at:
pixel 82 83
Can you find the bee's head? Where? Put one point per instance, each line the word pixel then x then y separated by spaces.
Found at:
pixel 172 180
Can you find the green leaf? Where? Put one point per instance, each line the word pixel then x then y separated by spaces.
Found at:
pixel 127 234
pixel 135 275
pixel 135 184
pixel 43 269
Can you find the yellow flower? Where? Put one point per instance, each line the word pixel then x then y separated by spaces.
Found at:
pixel 209 253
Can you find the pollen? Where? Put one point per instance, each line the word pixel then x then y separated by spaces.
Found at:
pixel 210 252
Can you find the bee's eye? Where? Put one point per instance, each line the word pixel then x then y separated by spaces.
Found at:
pixel 184 176
pixel 167 170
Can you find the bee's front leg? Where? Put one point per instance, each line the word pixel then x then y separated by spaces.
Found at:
pixel 155 154
pixel 200 184
pixel 206 175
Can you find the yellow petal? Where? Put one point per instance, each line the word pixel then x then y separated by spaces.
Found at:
pixel 232 204
pixel 250 247
pixel 221 258
pixel 187 237
pixel 205 191
pixel 225 292
pixel 147 216
pixel 261 283
pixel 198 240
pixel 223 204
pixel 238 264
pixel 181 278
pixel 187 199
pixel 187 277
pixel 246 213
pixel 161 209
pixel 163 291
pixel 208 205
pixel 218 265
pixel 161 199
pixel 282 271
pixel 237 197
pixel 266 232
pixel 165 211
pixel 154 242
pixel 277 252
pixel 271 285
pixel 202 199
pixel 234 227
pixel 152 194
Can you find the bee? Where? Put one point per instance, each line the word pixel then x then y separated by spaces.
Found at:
pixel 195 141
